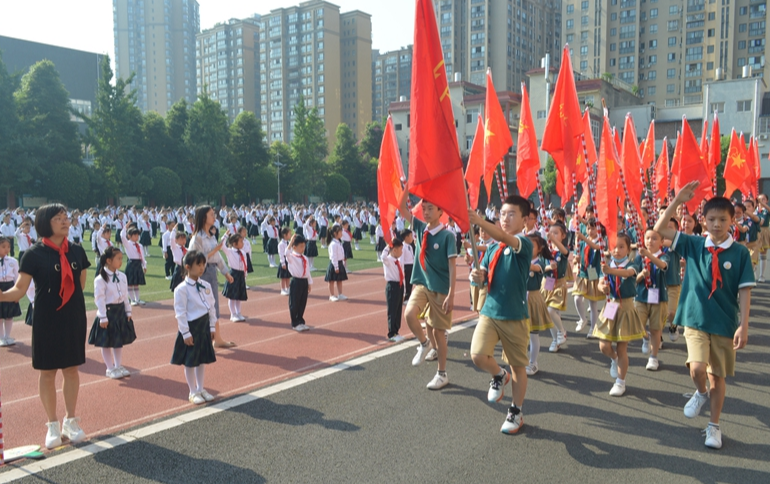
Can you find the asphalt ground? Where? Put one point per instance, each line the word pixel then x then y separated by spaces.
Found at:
pixel 376 422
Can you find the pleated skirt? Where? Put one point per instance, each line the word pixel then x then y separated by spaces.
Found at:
pixel 119 332
pixel 202 350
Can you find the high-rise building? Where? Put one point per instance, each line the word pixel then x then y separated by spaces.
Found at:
pixel 227 65
pixel 155 41
pixel 667 49
pixel 313 51
pixel 391 79
pixel 509 36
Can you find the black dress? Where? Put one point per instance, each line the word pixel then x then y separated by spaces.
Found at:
pixel 58 336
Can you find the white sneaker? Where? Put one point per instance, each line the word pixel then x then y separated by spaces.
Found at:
pixel 241 317
pixel 646 345
pixel 422 350
pixel 713 437
pixel 168 278
pixel 617 390
pixel 133 303
pixel 694 405
pixel 497 387
pixel 304 327
pixel 652 364
pixel 432 355
pixel 333 298
pixel 581 325
pixel 53 436
pixel 614 368
pixel 114 374
pixel 284 293
pixel 761 279
pixel 207 396
pixel 673 333
pixel 4 342
pixel 342 297
pixel 234 319
pixel 124 371
pixel 71 429
pixel 554 346
pixel 561 338
pixel 196 399
pixel 438 382
pixel 297 328
pixel 531 370
pixel 396 339
pixel 512 422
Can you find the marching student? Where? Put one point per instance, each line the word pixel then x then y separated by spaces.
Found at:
pixel 433 286
pixel 587 285
pixel 301 280
pixel 394 288
pixel 310 230
pixel 754 222
pixel 9 272
pixel 336 272
pixel 24 237
pixel 651 301
pixel 235 290
pixel 619 322
pixel 407 261
pixel 165 240
pixel 196 321
pixel 763 210
pixel 137 265
pixel 555 283
pixel 272 242
pixel 673 282
pixel 283 268
pixel 505 316
pixel 539 320
pixel 714 306
pixel 113 327
pixel 178 251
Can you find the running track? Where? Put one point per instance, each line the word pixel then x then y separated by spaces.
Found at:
pixel 268 352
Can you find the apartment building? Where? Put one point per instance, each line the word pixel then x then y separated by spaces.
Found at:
pixel 391 79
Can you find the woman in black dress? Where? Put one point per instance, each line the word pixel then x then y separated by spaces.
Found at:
pixel 59 320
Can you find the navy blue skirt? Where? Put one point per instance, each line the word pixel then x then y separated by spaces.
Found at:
pixel 300 230
pixel 282 273
pixel 331 275
pixel 145 239
pixel 322 232
pixel 272 246
pixel 253 230
pixel 236 290
pixel 311 249
pixel 372 229
pixel 178 277
pixel 9 310
pixel 135 273
pixel 249 266
pixel 380 244
pixel 119 331
pixel 357 234
pixel 348 250
pixel 202 350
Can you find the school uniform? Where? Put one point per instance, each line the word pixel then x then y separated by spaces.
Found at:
pixel 235 290
pixel 651 301
pixel 380 237
pixel 283 267
pixel 347 238
pixel 336 263
pixel 247 250
pixel 31 307
pixel 394 291
pixel 555 291
pixel 9 272
pixel 23 241
pixel 8 230
pixel 539 320
pixel 322 227
pixel 587 284
pixel 272 242
pixel 75 235
pixel 750 238
pixel 166 248
pixel 673 280
pixel 145 238
pixel 764 228
pixel 625 325
pixel 357 228
pixel 177 257
pixel 196 316
pixel 311 236
pixel 372 225
pixel 101 245
pixel 136 263
pixel 299 269
pixel 407 262
pixel 113 307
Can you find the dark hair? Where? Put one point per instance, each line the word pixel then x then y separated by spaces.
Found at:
pixel 106 228
pixel 558 213
pixel 591 222
pixel 5 240
pixel 717 203
pixel 739 205
pixel 109 253
pixel 180 235
pixel 201 213
pixel 520 202
pixel 676 222
pixel 233 239
pixel 242 228
pixel 133 231
pixel 404 234
pixel 330 233
pixel 561 227
pixel 626 239
pixel 43 217
pixel 298 239
pixel 284 231
pixel 540 241
pixel 749 200
pixel 396 243
pixel 194 257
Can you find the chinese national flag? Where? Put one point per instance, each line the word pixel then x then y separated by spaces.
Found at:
pixel 561 137
pixel 736 166
pixel 607 178
pixel 475 168
pixel 527 154
pixel 590 145
pixel 630 159
pixel 715 151
pixel 435 167
pixel 757 168
pixel 749 184
pixel 704 142
pixel 690 166
pixel 648 148
pixel 497 136
pixel 661 174
pixel 389 176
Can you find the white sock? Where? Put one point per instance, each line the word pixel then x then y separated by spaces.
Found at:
pixel 534 348
pixel 7 326
pixel 189 375
pixel 556 318
pixel 580 305
pixel 231 307
pixel 108 359
pixel 271 259
pixel 620 382
pixel 379 255
pixel 237 307
pixel 199 372
pixel 762 264
pixel 137 292
pixel 594 313
pixel 310 260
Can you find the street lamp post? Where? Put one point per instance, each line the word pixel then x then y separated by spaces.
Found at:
pixel 279 165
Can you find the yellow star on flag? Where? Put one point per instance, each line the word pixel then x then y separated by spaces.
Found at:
pixel 738 161
pixel 487 132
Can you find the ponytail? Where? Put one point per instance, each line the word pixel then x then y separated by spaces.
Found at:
pixel 330 233
pixel 542 245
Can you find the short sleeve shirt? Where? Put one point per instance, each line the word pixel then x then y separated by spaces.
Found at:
pixel 507 293
pixel 765 216
pixel 536 278
pixel 562 264
pixel 674 272
pixel 441 247
pixel 623 287
pixel 589 258
pixel 718 314
pixel 657 279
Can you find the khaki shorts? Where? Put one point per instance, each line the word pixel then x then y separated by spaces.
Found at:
pixel 513 334
pixel 656 313
pixel 673 301
pixel 424 299
pixel 714 350
pixel 482 297
pixel 754 251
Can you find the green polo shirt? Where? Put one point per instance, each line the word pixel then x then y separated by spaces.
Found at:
pixel 674 272
pixel 589 258
pixel 562 263
pixel 627 284
pixel 487 244
pixel 765 216
pixel 753 233
pixel 440 249
pixel 657 279
pixel 507 295
pixel 718 314
pixel 536 278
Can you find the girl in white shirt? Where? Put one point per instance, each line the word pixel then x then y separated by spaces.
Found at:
pixel 310 230
pixel 336 272
pixel 9 272
pixel 235 291
pixel 283 268
pixel 113 327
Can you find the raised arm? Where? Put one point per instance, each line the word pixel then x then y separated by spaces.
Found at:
pixel 685 195
pixel 496 232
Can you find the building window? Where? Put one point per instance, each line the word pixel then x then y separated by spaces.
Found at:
pixel 541 115
pixel 671 73
pixel 743 106
pixel 570 8
pixel 718 107
pixel 653 13
pixel 654 28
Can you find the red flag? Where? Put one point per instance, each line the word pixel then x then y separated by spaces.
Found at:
pixel 590 145
pixel 749 184
pixel 736 166
pixel 648 148
pixel 704 142
pixel 715 152
pixel 527 155
pixel 475 167
pixel 608 174
pixel 630 159
pixel 497 136
pixel 757 169
pixel 417 212
pixel 435 167
pixel 661 173
pixel 389 176
pixel 691 167
pixel 561 137
pixel 673 174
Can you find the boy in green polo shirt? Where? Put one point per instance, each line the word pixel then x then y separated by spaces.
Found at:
pixel 433 286
pixel 714 304
pixel 505 315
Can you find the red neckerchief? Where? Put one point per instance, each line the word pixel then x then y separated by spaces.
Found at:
pixel 493 263
pixel 304 262
pixel 67 288
pixel 243 260
pixel 716 273
pixel 29 239
pixel 141 257
pixel 400 273
pixel 184 250
pixel 425 236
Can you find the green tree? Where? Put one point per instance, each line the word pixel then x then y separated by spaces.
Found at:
pixel 281 152
pixel 176 124
pixel 207 138
pixel 549 184
pixel 156 144
pixel 115 130
pixel 16 172
pixel 309 148
pixel 249 153
pixel 263 183
pixel 166 187
pixel 337 188
pixel 346 160
pixel 48 134
pixel 369 147
pixel 68 183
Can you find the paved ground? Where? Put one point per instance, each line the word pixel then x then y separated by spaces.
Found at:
pixel 376 422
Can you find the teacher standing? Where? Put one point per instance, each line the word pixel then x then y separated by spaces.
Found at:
pixel 203 241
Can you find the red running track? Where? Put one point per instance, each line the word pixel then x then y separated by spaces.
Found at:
pixel 268 352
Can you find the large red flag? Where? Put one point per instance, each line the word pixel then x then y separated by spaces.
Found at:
pixel 704 142
pixel 390 173
pixel 736 166
pixel 715 151
pixel 561 136
pixel 661 174
pixel 748 188
pixel 475 168
pixel 590 145
pixel 757 168
pixel 608 174
pixel 497 136
pixel 630 159
pixel 435 167
pixel 691 167
pixel 674 173
pixel 648 148
pixel 527 154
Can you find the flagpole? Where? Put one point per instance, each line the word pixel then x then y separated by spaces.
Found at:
pixel 504 177
pixel 592 201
